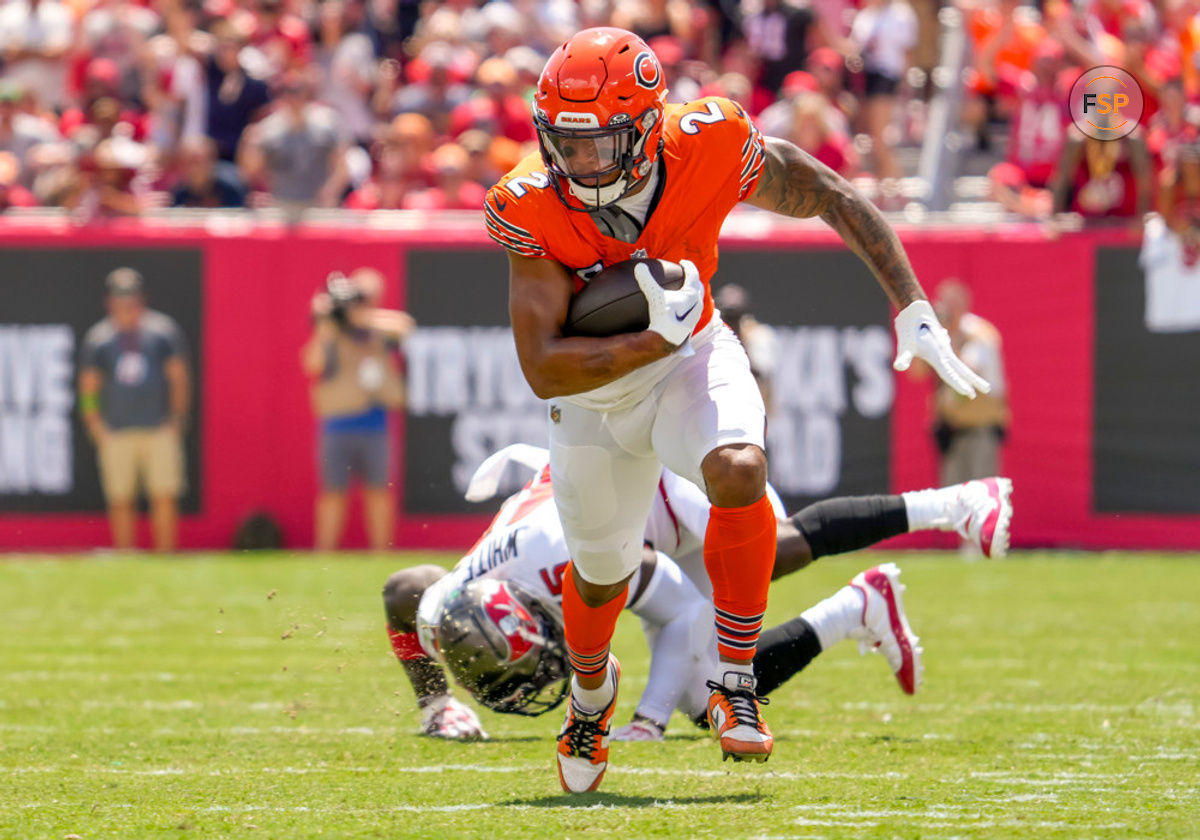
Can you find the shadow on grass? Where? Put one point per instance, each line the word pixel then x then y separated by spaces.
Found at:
pixel 619 800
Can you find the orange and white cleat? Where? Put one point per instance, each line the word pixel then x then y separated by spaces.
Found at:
pixel 982 513
pixel 583 742
pixel 735 717
pixel 885 627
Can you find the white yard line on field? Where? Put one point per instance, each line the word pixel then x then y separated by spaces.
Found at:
pixel 436 768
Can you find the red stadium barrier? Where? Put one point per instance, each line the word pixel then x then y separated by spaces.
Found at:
pixel 255 428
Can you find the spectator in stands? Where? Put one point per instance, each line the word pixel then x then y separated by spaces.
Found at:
pixel 356 380
pixel 114 33
pixel 282 37
pixel 778 33
pixel 968 432
pixel 108 185
pixel 683 77
pixel 883 33
pixel 1178 199
pixel 401 165
pixel 435 86
pixel 1147 63
pixel 1175 124
pixel 655 18
pixel 55 171
pixel 235 100
pixel 811 131
pixel 173 91
pixel 828 68
pixel 481 168
pixel 454 191
pixel 12 194
pixel 296 152
pixel 347 63
pixel 1037 131
pixel 1004 38
pixel 201 184
pixel 135 395
pixel 1182 20
pixel 497 108
pixel 1104 179
pixel 21 133
pixel 35 36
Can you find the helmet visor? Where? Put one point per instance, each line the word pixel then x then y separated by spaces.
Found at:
pixel 581 155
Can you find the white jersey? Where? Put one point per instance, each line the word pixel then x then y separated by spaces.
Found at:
pixel 525 544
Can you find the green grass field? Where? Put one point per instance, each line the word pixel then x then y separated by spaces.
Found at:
pixel 257 697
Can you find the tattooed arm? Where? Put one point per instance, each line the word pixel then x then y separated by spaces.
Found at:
pixel 795 183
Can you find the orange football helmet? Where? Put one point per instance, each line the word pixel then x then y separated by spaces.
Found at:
pixel 599 116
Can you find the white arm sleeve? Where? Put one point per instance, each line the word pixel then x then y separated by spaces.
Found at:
pixel 678 622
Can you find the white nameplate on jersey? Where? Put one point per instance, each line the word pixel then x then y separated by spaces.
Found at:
pixel 574 119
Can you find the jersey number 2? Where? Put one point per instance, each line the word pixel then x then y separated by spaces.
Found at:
pixel 519 186
pixel 553 578
pixel 689 122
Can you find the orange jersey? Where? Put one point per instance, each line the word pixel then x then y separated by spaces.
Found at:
pixel 711 159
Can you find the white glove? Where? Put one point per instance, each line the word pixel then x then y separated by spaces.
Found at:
pixel 445 717
pixel 918 333
pixel 673 314
pixel 640 729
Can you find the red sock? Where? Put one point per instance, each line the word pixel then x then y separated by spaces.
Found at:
pixel 588 630
pixel 406 646
pixel 739 554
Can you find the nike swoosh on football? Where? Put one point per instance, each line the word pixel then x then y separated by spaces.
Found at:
pixel 500 205
pixel 685 314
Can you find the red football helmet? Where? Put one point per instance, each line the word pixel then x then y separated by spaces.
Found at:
pixel 599 116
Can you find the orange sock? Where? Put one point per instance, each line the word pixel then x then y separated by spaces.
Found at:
pixel 739 554
pixel 588 630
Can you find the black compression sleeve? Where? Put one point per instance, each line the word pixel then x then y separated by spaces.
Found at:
pixel 783 652
pixel 836 526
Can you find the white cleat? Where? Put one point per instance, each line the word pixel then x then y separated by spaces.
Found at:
pixel 885 627
pixel 639 729
pixel 735 718
pixel 982 513
pixel 582 751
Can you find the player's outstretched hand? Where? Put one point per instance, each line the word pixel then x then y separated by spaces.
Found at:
pixel 673 313
pixel 918 333
pixel 445 717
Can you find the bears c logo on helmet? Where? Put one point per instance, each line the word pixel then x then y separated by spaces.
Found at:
pixel 646 70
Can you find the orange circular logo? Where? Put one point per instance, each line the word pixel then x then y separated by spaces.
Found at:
pixel 1106 103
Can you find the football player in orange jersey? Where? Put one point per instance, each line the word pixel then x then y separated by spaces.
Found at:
pixel 621 174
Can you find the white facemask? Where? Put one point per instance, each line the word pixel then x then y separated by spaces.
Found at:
pixel 598 196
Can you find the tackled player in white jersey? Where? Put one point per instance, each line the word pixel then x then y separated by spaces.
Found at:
pixel 494 620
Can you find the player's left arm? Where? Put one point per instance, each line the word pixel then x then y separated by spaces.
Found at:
pixel 794 183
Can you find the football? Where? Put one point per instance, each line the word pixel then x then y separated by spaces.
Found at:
pixel 612 302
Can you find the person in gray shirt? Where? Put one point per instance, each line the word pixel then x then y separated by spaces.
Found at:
pixel 134 395
pixel 297 151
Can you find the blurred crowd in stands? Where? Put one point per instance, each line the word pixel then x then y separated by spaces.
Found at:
pixel 1024 62
pixel 112 107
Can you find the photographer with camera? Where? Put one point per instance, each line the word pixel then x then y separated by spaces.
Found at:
pixel 352 361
